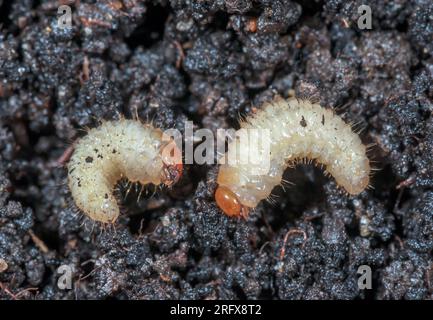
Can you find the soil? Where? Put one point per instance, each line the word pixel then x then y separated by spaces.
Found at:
pixel 210 62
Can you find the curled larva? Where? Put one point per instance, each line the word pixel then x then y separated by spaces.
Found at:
pixel 298 129
pixel 115 150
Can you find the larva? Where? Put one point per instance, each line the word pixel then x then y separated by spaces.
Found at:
pixel 115 150
pixel 298 129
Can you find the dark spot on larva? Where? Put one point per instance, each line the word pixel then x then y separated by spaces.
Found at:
pixel 79 183
pixel 106 196
pixel 96 150
pixel 303 122
pixel 323 119
pixel 100 156
pixel 89 159
pixel 114 150
pixel 72 170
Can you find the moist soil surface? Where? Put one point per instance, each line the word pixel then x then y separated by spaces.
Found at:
pixel 213 62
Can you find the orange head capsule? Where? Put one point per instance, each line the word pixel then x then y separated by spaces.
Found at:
pixel 229 203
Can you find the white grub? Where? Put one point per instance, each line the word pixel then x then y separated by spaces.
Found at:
pixel 115 150
pixel 299 130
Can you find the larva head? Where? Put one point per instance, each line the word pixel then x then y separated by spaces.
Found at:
pixel 229 203
pixel 236 186
pixel 172 164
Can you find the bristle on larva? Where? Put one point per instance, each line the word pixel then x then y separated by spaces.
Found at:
pixel 298 130
pixel 115 150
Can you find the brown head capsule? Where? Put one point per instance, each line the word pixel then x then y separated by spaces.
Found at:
pixel 229 203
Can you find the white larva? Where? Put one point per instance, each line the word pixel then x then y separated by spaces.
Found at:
pixel 115 150
pixel 298 129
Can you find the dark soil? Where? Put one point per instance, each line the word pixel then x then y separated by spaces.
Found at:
pixel 211 61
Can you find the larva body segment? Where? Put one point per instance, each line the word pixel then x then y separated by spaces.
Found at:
pixel 298 129
pixel 115 150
